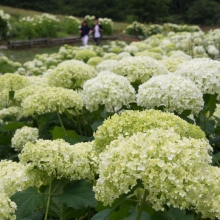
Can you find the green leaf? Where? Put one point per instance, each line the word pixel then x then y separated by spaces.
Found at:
pixel 34 216
pixel 216 158
pixel 79 195
pixel 176 214
pixel 5 139
pixel 210 103
pixel 44 119
pixel 160 216
pixel 96 124
pixel 11 95
pixel 123 211
pixel 27 202
pixel 13 126
pixel 59 133
pixel 103 215
pixel 144 216
pixel 58 209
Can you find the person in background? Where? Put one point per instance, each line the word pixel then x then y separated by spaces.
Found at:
pixel 84 33
pixel 97 32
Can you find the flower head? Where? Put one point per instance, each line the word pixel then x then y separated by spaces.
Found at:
pixel 130 122
pixel 175 93
pixel 108 89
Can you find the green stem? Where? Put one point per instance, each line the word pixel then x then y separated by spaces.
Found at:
pixel 78 122
pixel 61 122
pixel 48 200
pixel 141 205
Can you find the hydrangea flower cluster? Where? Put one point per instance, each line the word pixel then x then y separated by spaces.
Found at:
pixel 15 177
pixel 70 74
pixel 7 207
pixel 13 82
pixel 131 49
pixel 94 61
pixel 171 63
pixel 204 72
pixel 147 53
pixel 52 99
pixel 24 135
pixel 130 122
pixel 60 159
pixel 169 166
pixel 108 89
pixel 175 93
pixel 84 55
pixel 13 111
pixel 139 69
pixel 106 65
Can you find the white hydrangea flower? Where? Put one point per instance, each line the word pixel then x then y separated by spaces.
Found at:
pixel 171 63
pixel 108 89
pixel 7 207
pixel 122 55
pixel 175 93
pixel 13 111
pixel 16 177
pixel 204 72
pixel 24 135
pixel 52 99
pixel 212 50
pixel 130 49
pixel 139 69
pixel 70 74
pixel 60 159
pixel 171 167
pixel 106 65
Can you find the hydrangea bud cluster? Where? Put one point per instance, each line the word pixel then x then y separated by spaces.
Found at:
pixel 108 89
pixel 204 72
pixel 52 99
pixel 170 167
pixel 24 135
pixel 139 69
pixel 171 63
pixel 70 74
pixel 130 122
pixel 175 93
pixel 60 159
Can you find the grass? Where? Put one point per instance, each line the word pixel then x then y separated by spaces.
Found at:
pixel 25 55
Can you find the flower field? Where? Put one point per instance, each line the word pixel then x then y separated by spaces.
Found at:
pixel 116 132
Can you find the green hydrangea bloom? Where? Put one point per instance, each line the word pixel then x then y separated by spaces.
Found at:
pixel 70 74
pixel 84 55
pixel 130 122
pixel 172 168
pixel 94 61
pixel 60 159
pixel 52 99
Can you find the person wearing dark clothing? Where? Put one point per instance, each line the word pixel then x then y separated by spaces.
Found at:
pixel 84 33
pixel 97 32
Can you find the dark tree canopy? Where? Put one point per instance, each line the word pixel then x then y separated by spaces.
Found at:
pixel 204 12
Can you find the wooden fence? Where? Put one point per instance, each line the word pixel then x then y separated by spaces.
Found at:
pixel 41 42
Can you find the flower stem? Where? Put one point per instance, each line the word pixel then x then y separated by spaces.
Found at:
pixel 61 122
pixel 48 200
pixel 141 205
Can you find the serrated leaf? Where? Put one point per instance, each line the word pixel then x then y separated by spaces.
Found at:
pixel 27 202
pixel 79 195
pixel 44 119
pixel 160 216
pixel 103 215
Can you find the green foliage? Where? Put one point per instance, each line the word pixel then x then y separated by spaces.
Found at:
pixel 71 25
pixel 3 28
